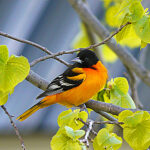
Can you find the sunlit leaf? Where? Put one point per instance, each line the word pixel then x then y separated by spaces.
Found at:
pixel 74 134
pixel 105 140
pixel 107 3
pixel 131 10
pixel 136 128
pixel 3 97
pixel 124 32
pixel 136 11
pixel 63 142
pixel 3 55
pixel 120 99
pixel 130 38
pixel 81 40
pixel 118 93
pixel 99 96
pixel 142 28
pixel 112 18
pixel 122 84
pixel 70 118
pixel 108 54
pixel 13 72
pixel 143 44
pixel 11 91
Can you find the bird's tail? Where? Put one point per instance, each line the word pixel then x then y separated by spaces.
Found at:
pixel 47 101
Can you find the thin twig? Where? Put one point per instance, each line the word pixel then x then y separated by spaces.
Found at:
pixel 101 122
pixel 33 44
pixel 78 49
pixel 133 86
pixel 108 122
pixel 89 129
pixel 87 124
pixel 106 115
pixel 97 106
pixel 92 38
pixel 126 57
pixel 15 127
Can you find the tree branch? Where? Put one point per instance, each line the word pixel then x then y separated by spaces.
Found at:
pixel 78 49
pixel 108 122
pixel 89 129
pixel 14 126
pixel 101 31
pixel 107 116
pixel 94 24
pixel 97 106
pixel 51 55
pixel 87 16
pixel 106 107
pixel 92 38
pixel 33 44
pixel 37 80
pixel 133 86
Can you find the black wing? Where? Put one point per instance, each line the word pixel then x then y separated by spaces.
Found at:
pixel 62 83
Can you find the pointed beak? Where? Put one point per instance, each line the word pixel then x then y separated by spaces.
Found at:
pixel 77 60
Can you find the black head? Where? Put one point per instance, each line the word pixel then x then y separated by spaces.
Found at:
pixel 88 58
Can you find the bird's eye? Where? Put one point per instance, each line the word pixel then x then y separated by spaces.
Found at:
pixel 86 59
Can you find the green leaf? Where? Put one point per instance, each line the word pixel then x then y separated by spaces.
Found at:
pixel 63 142
pixel 120 99
pixel 99 96
pixel 118 93
pixel 129 39
pixel 107 3
pixel 11 91
pixel 89 111
pixel 3 97
pixel 142 28
pixel 74 134
pixel 70 118
pixel 136 128
pixel 105 140
pixel 124 32
pixel 108 55
pixel 82 39
pixel 13 71
pixel 111 17
pixel 131 10
pixel 84 147
pixel 122 84
pixel 136 11
pixel 3 54
pixel 143 44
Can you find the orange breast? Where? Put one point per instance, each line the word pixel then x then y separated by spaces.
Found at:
pixel 94 81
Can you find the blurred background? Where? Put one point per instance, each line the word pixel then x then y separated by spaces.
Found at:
pixel 53 24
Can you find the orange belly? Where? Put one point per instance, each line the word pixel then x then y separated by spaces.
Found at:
pixel 95 81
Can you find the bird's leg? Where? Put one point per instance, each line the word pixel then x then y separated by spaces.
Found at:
pixel 83 108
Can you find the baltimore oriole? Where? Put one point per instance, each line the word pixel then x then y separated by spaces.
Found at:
pixel 75 86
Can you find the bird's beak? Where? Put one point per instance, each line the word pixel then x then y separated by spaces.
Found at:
pixel 77 60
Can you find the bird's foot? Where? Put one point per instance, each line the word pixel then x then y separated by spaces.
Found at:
pixel 83 108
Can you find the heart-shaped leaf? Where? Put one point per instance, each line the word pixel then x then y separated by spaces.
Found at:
pixel 13 70
pixel 74 134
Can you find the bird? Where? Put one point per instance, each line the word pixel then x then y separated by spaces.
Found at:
pixel 80 82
